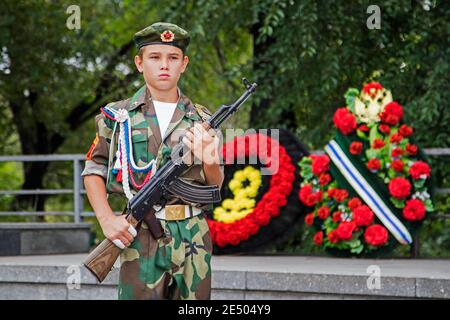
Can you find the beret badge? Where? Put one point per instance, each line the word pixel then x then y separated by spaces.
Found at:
pixel 167 36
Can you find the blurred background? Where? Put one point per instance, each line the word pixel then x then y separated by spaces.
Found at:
pixel 303 54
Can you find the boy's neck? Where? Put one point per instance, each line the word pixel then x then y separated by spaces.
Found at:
pixel 170 96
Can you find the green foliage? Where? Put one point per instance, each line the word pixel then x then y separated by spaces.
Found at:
pixel 10 179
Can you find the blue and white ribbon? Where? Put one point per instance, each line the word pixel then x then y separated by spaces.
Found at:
pixel 367 193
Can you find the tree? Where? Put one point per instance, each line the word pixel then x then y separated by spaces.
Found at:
pixel 53 79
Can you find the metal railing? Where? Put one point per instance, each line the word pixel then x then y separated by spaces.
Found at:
pixel 77 190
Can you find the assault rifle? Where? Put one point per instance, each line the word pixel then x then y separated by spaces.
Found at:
pixel 165 181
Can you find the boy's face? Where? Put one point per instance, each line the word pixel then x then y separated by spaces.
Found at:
pixel 162 65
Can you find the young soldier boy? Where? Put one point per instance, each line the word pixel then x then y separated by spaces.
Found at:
pixel 123 157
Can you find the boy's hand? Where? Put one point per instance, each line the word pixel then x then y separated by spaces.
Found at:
pixel 118 230
pixel 203 143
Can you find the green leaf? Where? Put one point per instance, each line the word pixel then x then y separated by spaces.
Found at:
pixel 305 161
pixel 381 174
pixel 391 173
pixel 403 143
pixel 371 153
pixel 330 225
pixel 350 96
pixel 307 175
pixel 419 183
pixel 354 243
pixel 357 249
pixel 374 133
pixel 398 203
pixel 361 134
pixel 429 205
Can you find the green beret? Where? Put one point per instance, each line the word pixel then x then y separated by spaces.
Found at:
pixel 162 33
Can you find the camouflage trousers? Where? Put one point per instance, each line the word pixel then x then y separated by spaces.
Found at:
pixel 177 266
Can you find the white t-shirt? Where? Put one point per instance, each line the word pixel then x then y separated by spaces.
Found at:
pixel 164 112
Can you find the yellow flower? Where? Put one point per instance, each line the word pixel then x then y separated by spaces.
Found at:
pixel 227 204
pixel 243 203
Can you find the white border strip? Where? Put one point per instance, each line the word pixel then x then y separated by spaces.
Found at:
pixel 366 192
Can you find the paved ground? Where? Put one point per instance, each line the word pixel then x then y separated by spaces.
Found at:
pixel 243 277
pixel 408 268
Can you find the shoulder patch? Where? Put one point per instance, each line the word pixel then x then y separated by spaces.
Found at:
pixel 204 113
pixel 119 104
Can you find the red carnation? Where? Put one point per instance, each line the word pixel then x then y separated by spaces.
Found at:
pixel 323 212
pixel 333 236
pixel 397 165
pixel 340 195
pixel 405 130
pixel 331 192
pixel 372 88
pixel 363 216
pixel 344 120
pixel 396 152
pixel 396 138
pixel 363 128
pixel 411 149
pixel 318 238
pixel 374 164
pixel 345 230
pixel 354 203
pixel 414 210
pixel 384 129
pixel 376 235
pixel 337 216
pixel 389 118
pixel 394 108
pixel 378 144
pixel 392 113
pixel 320 164
pixel 308 197
pixel 324 179
pixel 309 219
pixel 356 147
pixel 399 187
pixel 418 169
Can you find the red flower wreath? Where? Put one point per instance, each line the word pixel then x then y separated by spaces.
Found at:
pixel 371 128
pixel 281 185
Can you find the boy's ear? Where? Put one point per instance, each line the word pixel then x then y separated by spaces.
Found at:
pixel 138 63
pixel 185 63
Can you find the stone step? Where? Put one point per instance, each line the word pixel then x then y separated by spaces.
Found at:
pixel 241 277
pixel 38 238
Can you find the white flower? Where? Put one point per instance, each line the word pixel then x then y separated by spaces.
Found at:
pixel 367 109
pixel 367 113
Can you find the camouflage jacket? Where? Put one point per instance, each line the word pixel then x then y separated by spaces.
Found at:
pixel 146 139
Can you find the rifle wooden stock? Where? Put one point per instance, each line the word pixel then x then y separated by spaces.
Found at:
pixel 101 260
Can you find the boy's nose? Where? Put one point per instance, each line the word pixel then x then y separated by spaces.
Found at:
pixel 164 64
